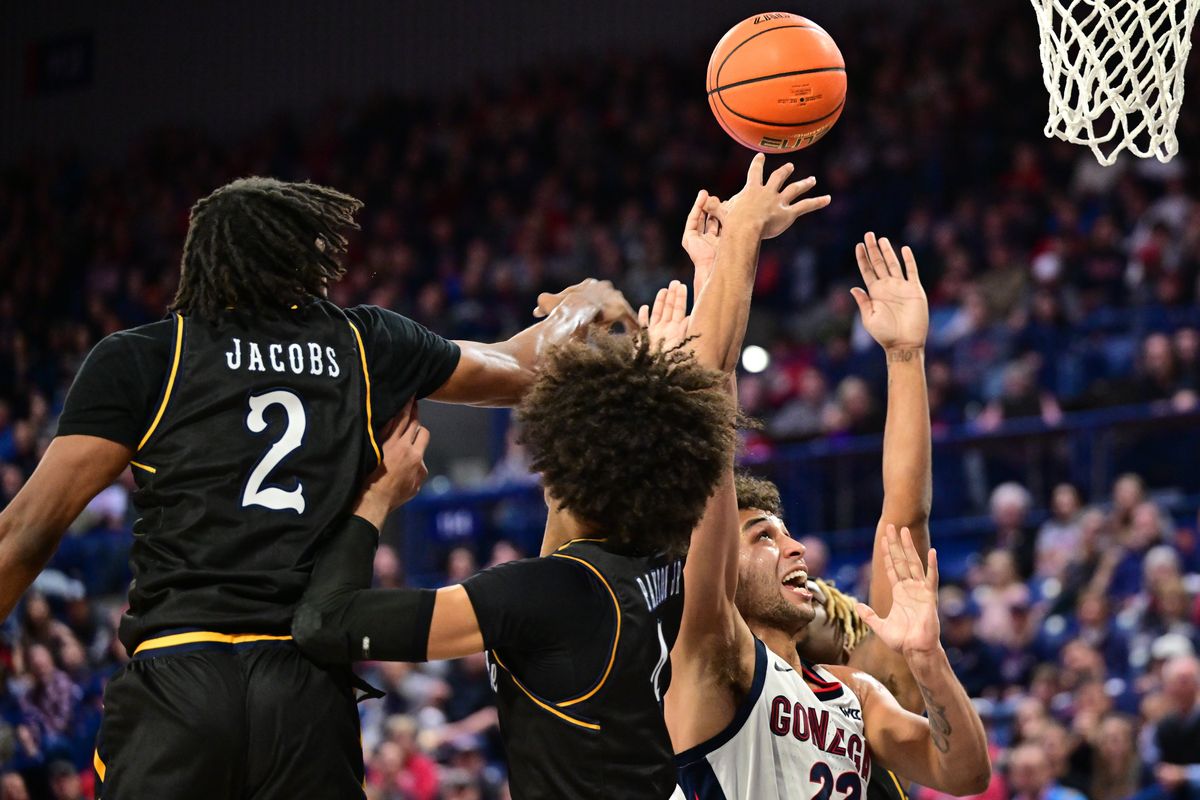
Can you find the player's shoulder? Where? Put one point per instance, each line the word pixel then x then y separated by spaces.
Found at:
pixel 147 341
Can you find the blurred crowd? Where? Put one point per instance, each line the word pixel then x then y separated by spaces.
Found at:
pixel 1055 285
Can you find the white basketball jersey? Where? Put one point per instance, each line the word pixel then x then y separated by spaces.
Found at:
pixel 794 736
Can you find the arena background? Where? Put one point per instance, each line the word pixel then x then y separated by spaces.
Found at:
pixel 506 148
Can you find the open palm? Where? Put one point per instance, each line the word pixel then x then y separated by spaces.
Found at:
pixel 912 625
pixel 894 308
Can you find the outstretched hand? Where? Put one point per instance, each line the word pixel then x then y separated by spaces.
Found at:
pixel 605 303
pixel 912 626
pixel 768 203
pixel 701 234
pixel 667 323
pixel 894 308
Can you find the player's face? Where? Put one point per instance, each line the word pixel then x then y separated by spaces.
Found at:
pixel 824 641
pixel 772 576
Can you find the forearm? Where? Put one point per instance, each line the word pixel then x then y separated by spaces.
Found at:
pixel 907 480
pixel 957 753
pixel 340 620
pixel 25 547
pixel 723 307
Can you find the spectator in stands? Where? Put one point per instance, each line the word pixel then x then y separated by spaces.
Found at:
pixel 49 704
pixel 65 783
pixel 1058 539
pixel 1010 505
pixel 1145 531
pixel 1020 397
pixel 1030 776
pixel 1177 735
pixel 1117 771
pixel 975 662
pixel 12 787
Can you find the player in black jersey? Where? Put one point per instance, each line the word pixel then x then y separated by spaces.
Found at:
pixel 630 439
pixel 250 417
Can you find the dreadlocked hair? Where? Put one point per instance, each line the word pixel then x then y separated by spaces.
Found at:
pixel 628 437
pixel 839 607
pixel 261 245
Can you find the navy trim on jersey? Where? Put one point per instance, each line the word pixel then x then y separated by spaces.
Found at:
pixel 699 782
pixel 823 689
pixel 701 751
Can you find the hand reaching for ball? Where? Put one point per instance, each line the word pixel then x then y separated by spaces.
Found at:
pixel 770 205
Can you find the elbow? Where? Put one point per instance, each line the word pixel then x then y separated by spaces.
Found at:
pixel 969 782
pixel 317 637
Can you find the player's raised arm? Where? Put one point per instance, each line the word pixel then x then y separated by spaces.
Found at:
pixel 73 471
pixel 723 241
pixel 948 750
pixel 896 314
pixel 762 209
pixel 499 374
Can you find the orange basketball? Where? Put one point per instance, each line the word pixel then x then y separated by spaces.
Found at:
pixel 776 82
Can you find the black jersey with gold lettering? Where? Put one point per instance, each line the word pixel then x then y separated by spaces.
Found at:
pixel 257 447
pixel 578 644
pixel 252 437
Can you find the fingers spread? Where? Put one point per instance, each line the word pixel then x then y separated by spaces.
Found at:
pixel 916 567
pixel 910 262
pixel 754 175
pixel 864 264
pixel 810 204
pixel 863 299
pixel 931 576
pixel 780 175
pixel 794 190
pixel 896 554
pixel 889 258
pixel 695 216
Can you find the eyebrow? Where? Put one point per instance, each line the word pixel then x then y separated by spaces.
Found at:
pixel 750 523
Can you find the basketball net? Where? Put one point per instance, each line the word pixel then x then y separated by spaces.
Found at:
pixel 1114 70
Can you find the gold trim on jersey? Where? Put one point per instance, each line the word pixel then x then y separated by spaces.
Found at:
pixel 573 541
pixel 149 469
pixel 542 704
pixel 170 382
pixel 895 780
pixel 194 637
pixel 362 352
pixel 616 638
pixel 98 765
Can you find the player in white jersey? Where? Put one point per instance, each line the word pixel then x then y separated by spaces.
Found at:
pixel 747 716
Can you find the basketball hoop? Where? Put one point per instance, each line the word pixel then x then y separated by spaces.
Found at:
pixel 1114 70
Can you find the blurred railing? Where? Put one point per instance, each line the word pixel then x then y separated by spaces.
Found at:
pixel 832 487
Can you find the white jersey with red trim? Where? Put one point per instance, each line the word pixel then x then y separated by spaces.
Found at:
pixel 796 734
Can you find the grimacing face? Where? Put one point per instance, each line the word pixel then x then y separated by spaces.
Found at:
pixel 772 576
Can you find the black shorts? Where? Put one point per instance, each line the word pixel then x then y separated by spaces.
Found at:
pixel 237 720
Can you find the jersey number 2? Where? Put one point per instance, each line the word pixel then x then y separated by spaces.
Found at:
pixel 273 497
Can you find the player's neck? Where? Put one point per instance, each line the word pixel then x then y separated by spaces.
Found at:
pixel 561 527
pixel 780 642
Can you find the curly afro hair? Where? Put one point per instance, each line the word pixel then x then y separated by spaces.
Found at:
pixel 757 493
pixel 629 439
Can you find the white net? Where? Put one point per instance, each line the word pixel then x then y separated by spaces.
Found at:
pixel 1114 70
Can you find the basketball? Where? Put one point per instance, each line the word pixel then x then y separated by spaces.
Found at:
pixel 776 82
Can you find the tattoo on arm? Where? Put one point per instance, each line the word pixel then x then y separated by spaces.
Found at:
pixel 939 726
pixel 901 355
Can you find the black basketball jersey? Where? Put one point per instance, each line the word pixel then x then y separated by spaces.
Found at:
pixel 609 741
pixel 258 445
pixel 884 785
